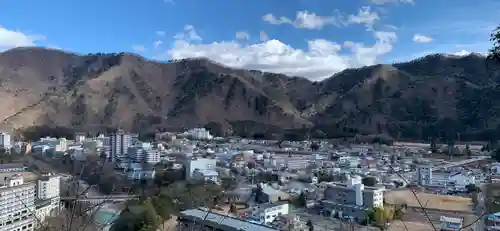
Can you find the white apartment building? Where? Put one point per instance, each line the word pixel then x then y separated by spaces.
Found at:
pixel 200 165
pixel 103 144
pixel 199 134
pixel 352 200
pixel 119 144
pixel 49 188
pixel 24 204
pixel 457 180
pixel 144 153
pixel 5 142
pixel 424 175
pixel 267 213
pixel 17 203
pixel 80 137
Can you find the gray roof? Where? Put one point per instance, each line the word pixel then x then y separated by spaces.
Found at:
pixel 227 221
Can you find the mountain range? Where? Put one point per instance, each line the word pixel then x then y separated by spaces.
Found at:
pixel 435 96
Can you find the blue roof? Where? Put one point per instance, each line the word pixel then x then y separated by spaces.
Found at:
pixel 222 220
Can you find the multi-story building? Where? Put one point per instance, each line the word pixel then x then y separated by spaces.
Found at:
pixel 352 200
pixel 136 171
pixel 200 165
pixel 103 145
pixel 199 134
pixel 5 142
pixel 144 153
pixel 451 223
pixel 23 205
pixel 267 213
pixel 80 137
pixel 119 144
pixel 424 175
pixel 17 203
pixel 49 187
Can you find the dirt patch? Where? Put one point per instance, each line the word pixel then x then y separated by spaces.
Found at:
pixel 169 225
pixel 429 201
pixel 409 226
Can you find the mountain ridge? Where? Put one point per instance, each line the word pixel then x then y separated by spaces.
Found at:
pixel 124 90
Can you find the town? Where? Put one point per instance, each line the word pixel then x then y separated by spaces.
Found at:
pixel 248 184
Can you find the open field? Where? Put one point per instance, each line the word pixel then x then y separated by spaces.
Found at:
pixel 409 226
pixel 429 201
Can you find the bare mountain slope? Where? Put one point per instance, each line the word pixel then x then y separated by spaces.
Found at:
pixel 89 92
pixel 127 91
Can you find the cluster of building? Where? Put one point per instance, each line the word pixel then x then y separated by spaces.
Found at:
pixel 26 199
pixel 298 169
pixel 330 176
pixel 5 142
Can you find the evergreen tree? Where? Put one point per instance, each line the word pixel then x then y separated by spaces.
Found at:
pixel 302 200
pixel 148 219
pixel 468 152
pixel 495 50
pixel 369 181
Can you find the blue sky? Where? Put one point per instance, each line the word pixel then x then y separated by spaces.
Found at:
pixel 312 38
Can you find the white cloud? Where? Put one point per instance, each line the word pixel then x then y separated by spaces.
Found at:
pixel 241 35
pixel 381 2
pixel 10 39
pixel 321 59
pixel 263 36
pixel 138 48
pixel 160 33
pixel 188 34
pixel 55 47
pixel 303 20
pixel 465 53
pixel 365 16
pixel 418 38
pixel 157 43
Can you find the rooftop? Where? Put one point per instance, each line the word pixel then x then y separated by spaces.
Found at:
pixel 272 191
pixel 338 184
pixel 450 219
pixel 27 176
pixel 271 205
pixel 12 165
pixel 227 221
pixel 208 172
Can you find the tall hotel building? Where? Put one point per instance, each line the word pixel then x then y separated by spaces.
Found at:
pixel 5 143
pixel 120 142
pixel 17 204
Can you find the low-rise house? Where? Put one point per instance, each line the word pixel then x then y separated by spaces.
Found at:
pixel 205 175
pixel 267 213
pixel 198 219
pixel 137 171
pixel 450 223
pixel 493 221
pixel 270 194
